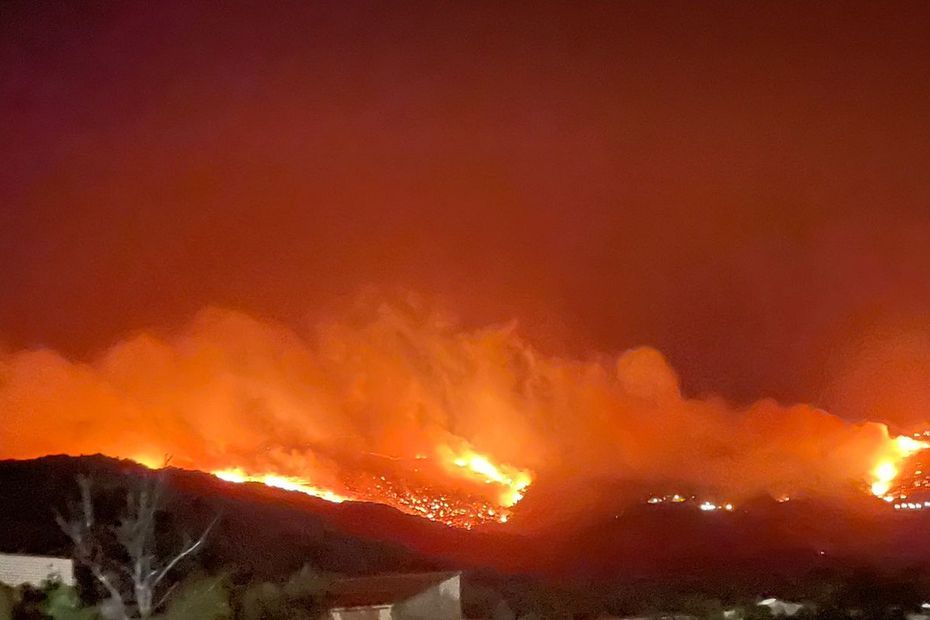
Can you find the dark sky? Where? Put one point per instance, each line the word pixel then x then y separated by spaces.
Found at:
pixel 745 186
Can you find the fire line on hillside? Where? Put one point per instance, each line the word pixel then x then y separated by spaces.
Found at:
pixel 403 407
pixel 465 510
pixel 453 507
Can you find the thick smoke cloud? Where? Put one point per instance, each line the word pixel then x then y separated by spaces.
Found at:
pixel 231 390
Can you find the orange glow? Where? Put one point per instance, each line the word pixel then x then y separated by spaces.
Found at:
pixel 148 461
pixel 451 506
pixel 885 472
pixel 514 481
pixel 288 483
pixel 908 446
pixel 413 412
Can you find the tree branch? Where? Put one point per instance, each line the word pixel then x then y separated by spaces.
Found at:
pixel 165 596
pixel 105 580
pixel 186 552
pixel 131 579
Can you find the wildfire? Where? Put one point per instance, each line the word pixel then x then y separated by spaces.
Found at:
pixel 885 472
pixel 704 505
pixel 413 411
pixel 455 507
pixel 288 483
pixel 514 481
pixel 488 490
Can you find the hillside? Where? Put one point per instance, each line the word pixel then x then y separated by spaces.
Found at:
pixel 267 533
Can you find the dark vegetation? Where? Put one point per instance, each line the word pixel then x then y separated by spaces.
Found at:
pixel 271 554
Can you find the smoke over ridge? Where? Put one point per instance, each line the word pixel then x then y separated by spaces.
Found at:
pixel 229 390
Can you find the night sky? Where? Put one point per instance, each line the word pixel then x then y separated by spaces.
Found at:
pixel 745 186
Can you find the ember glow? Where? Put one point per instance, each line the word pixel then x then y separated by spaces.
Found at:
pixel 513 482
pixel 456 509
pixel 678 499
pixel 887 469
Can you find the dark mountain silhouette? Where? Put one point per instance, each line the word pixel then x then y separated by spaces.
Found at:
pixel 267 533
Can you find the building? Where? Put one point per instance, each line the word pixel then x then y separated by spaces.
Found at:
pixel 16 570
pixel 414 596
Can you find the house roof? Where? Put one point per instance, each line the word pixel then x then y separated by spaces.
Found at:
pixel 382 590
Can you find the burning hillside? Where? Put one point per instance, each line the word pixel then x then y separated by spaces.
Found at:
pixel 492 491
pixel 414 412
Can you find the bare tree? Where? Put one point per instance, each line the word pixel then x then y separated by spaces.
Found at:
pixel 135 578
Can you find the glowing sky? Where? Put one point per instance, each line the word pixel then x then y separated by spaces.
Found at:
pixel 741 185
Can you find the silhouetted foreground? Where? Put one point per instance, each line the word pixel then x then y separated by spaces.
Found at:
pixel 636 561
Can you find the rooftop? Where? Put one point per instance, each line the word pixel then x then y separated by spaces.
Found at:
pixel 382 590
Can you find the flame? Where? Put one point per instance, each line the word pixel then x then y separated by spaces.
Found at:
pixel 458 509
pixel 884 473
pixel 886 470
pixel 148 461
pixel 908 446
pixel 410 410
pixel 515 481
pixel 288 483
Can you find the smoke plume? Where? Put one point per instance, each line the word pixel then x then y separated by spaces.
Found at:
pixel 402 387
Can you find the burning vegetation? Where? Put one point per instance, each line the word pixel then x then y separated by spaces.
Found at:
pixel 455 505
pixel 886 471
pixel 409 410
